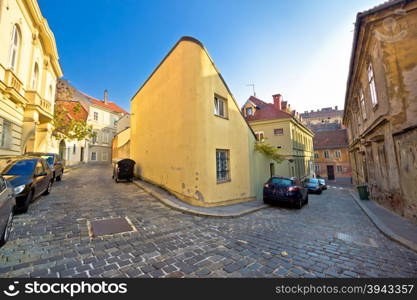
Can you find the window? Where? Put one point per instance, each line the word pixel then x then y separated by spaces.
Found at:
pixel 337 153
pixel 222 165
pixel 39 168
pixel 326 154
pixel 260 136
pixel 14 48
pixel 74 149
pixel 339 169
pixel 93 155
pixel 6 134
pixel 51 93
pixel 362 104
pixel 316 155
pixel 95 116
pixel 249 111
pixel 279 131
pixel 220 107
pixel 35 77
pixel 104 156
pixel 372 87
pixel 317 168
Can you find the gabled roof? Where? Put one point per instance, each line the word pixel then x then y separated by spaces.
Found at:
pixel 330 139
pixel 194 40
pixel 109 105
pixel 386 5
pixel 266 111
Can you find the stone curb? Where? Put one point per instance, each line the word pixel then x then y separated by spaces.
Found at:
pixel 177 207
pixel 381 226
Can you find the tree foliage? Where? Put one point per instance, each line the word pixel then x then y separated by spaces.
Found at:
pixel 66 127
pixel 269 151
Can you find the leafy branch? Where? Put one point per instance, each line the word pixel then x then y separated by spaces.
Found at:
pixel 269 151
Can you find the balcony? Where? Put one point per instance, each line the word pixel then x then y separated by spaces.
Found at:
pixel 43 106
pixel 14 86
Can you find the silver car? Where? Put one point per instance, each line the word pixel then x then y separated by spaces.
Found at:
pixel 7 206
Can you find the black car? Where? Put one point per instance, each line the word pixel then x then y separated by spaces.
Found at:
pixel 53 161
pixel 29 176
pixel 313 185
pixel 7 206
pixel 287 190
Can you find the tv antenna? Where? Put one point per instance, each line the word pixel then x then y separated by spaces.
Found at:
pixel 253 88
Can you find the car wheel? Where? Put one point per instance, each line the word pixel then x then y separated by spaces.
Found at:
pixel 299 204
pixel 7 229
pixel 48 189
pixel 306 199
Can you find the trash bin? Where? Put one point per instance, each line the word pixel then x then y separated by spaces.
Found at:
pixel 123 169
pixel 363 192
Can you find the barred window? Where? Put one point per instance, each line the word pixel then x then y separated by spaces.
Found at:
pixel 6 134
pixel 222 165
pixel 279 131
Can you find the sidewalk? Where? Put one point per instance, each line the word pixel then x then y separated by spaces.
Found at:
pixel 392 225
pixel 229 211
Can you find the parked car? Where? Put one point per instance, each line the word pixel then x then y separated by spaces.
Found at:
pixel 7 206
pixel 54 161
pixel 285 190
pixel 29 176
pixel 123 169
pixel 313 185
pixel 322 183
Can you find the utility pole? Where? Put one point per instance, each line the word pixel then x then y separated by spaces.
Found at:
pixel 253 88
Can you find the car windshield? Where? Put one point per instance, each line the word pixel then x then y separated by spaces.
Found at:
pixel 282 182
pixel 49 159
pixel 313 180
pixel 17 167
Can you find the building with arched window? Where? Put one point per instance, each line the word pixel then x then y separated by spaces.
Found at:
pixel 29 69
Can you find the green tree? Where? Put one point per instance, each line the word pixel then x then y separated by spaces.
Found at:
pixel 269 151
pixel 67 127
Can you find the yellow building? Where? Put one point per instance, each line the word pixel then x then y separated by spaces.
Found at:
pixel 281 127
pixel 29 69
pixel 188 135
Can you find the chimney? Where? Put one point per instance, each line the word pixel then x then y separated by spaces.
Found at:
pixel 277 101
pixel 106 97
pixel 335 107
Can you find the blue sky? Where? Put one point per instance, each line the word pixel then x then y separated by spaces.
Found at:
pixel 300 49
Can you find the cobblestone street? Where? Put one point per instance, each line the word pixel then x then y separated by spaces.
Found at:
pixel 330 237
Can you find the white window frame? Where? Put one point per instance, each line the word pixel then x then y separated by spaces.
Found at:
pixel 278 134
pixel 249 109
pixel 95 115
pixel 372 86
pixel 94 156
pixel 104 156
pixel 260 136
pixel 15 48
pixel 339 169
pixel 337 154
pixel 326 154
pixel 220 107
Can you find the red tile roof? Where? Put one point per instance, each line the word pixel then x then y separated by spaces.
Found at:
pixel 331 139
pixel 266 111
pixel 110 105
pixel 69 105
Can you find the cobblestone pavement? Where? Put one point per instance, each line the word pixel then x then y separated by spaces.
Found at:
pixel 330 237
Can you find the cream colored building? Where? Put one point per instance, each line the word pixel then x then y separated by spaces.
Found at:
pixel 29 69
pixel 280 126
